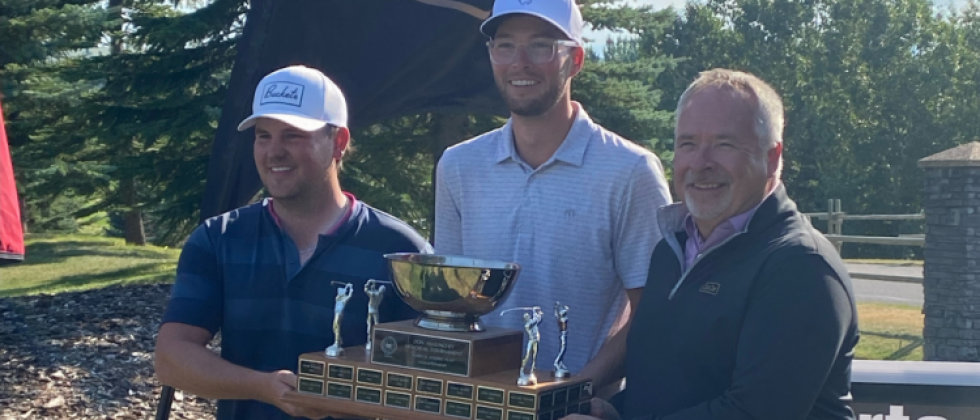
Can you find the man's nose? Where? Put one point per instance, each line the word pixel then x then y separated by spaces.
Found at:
pixel 703 158
pixel 276 147
pixel 521 59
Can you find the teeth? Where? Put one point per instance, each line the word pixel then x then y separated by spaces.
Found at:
pixel 707 185
pixel 280 168
pixel 523 82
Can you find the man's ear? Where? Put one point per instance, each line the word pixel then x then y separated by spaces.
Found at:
pixel 773 157
pixel 340 142
pixel 577 55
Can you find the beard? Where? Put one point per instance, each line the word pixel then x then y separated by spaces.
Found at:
pixel 708 210
pixel 541 104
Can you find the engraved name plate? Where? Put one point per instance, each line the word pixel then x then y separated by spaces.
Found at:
pixel 458 390
pixel 490 395
pixel 561 396
pixel 519 415
pixel 368 395
pixel 398 381
pixel 434 354
pixel 489 413
pixel 343 372
pixel 310 386
pixel 522 400
pixel 547 400
pixel 310 367
pixel 428 404
pixel 369 376
pixel 428 386
pixel 459 409
pixel 338 390
pixel 398 399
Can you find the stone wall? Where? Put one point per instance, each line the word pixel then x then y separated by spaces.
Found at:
pixel 952 255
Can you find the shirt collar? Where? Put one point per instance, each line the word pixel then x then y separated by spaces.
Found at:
pixel 351 202
pixel 572 149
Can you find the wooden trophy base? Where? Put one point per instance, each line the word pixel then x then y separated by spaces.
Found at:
pixel 430 379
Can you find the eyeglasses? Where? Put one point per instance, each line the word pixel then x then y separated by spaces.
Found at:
pixel 538 52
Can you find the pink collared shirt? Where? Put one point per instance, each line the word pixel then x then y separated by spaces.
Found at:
pixel 695 245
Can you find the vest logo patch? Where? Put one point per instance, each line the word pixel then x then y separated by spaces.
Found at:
pixel 710 288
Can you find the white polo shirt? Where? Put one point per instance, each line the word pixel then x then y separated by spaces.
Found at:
pixel 582 226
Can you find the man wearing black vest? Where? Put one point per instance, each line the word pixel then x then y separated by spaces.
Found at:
pixel 748 311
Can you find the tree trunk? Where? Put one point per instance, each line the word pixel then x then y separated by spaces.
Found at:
pixel 450 128
pixel 134 233
pixel 133 217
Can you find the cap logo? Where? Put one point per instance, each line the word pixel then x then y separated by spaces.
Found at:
pixel 524 2
pixel 285 93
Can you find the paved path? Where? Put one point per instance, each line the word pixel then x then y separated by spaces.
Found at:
pixel 887 283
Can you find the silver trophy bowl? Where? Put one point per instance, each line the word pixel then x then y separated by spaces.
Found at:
pixel 451 292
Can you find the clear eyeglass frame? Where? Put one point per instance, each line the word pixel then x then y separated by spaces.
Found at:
pixel 502 56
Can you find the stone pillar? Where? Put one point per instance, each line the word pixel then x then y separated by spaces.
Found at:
pixel 951 276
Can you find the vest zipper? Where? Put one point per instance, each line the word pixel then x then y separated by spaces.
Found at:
pixel 698 259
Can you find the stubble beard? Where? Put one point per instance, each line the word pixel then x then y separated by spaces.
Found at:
pixel 543 103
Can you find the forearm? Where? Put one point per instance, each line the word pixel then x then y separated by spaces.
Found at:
pixel 609 365
pixel 198 370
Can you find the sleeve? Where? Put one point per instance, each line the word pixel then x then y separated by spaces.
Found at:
pixel 636 232
pixel 794 328
pixel 448 234
pixel 197 294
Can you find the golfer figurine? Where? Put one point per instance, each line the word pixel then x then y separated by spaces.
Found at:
pixel 561 314
pixel 375 294
pixel 343 295
pixel 531 322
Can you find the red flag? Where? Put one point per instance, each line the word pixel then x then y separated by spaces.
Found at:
pixel 11 231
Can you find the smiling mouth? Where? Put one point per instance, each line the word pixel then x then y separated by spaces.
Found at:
pixel 523 82
pixel 277 169
pixel 706 185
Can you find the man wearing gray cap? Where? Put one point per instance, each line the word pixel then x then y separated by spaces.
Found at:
pixel 265 275
pixel 551 190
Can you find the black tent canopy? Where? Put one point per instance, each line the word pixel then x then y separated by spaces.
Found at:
pixel 390 58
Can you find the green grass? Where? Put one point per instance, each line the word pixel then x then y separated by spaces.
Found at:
pixel 889 332
pixel 62 263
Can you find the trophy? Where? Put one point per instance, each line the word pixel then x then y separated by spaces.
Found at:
pixel 343 295
pixel 531 322
pixel 375 295
pixel 561 314
pixel 446 362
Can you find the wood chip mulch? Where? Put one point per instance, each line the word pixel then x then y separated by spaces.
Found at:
pixel 86 355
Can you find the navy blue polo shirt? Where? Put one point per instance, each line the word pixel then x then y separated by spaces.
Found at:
pixel 240 273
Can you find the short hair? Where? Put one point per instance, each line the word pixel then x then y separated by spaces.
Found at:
pixel 769 118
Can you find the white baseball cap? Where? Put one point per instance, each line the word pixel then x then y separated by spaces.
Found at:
pixel 300 96
pixel 563 14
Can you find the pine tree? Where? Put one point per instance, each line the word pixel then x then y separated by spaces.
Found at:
pixel 40 39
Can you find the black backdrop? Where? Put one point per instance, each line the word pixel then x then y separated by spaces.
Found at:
pixel 390 58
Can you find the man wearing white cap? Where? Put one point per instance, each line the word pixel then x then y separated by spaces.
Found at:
pixel 265 275
pixel 569 201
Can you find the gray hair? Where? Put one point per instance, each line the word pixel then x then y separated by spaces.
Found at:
pixel 769 120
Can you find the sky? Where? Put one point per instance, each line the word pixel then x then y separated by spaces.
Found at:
pixel 600 37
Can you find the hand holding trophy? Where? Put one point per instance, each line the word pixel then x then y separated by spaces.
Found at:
pixel 343 295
